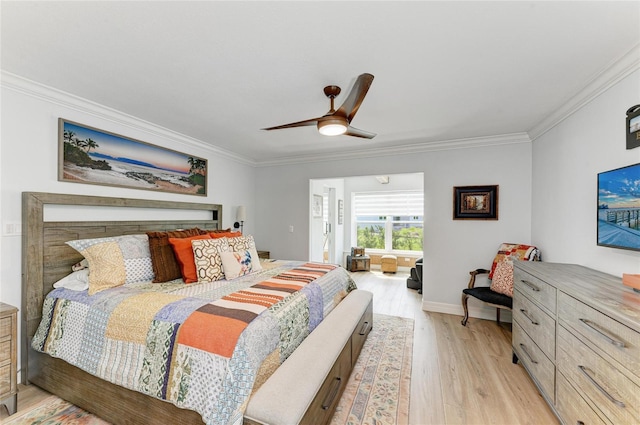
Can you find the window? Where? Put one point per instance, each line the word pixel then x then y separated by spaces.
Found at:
pixel 389 221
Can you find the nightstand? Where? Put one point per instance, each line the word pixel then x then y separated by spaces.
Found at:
pixel 9 357
pixel 264 255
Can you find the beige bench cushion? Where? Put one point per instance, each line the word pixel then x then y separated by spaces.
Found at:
pixel 287 394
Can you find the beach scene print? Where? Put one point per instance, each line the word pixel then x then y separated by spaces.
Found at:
pixel 99 157
pixel 619 208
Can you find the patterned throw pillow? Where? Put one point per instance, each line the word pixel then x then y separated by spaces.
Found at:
pixel 208 263
pixel 164 262
pixel 184 254
pixel 516 251
pixel 242 243
pixel 114 261
pixel 502 281
pixel 236 264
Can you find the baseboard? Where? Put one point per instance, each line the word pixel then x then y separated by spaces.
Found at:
pixel 478 312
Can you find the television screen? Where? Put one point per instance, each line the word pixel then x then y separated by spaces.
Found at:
pixel 619 208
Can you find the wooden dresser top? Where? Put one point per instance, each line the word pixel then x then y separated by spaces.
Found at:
pixel 601 291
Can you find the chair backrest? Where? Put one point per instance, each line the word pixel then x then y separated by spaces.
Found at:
pixel 515 251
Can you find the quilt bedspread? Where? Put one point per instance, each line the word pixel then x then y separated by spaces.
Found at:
pixel 203 347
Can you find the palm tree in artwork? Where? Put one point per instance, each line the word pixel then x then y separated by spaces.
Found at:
pixel 69 136
pixel 197 165
pixel 90 144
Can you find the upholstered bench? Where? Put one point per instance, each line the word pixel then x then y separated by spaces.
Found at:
pixel 306 388
pixel 389 263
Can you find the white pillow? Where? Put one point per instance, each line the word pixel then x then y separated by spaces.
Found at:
pixel 76 281
pixel 238 263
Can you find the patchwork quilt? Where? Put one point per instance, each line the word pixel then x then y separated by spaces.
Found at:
pixel 203 347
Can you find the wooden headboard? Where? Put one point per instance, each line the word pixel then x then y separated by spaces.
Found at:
pixel 46 258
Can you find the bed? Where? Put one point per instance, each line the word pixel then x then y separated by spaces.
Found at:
pixel 47 258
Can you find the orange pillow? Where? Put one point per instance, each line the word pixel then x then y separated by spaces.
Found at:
pixel 184 254
pixel 216 235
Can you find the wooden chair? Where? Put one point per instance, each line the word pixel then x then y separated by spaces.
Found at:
pixel 487 294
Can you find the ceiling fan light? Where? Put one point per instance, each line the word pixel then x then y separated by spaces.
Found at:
pixel 332 127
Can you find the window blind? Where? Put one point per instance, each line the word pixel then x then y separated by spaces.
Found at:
pixel 395 203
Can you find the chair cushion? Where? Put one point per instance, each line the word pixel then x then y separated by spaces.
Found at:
pixel 484 293
pixel 515 251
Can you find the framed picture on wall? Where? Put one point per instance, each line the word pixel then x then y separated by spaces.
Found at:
pixel 633 127
pixel 317 206
pixel 92 156
pixel 475 202
pixel 340 211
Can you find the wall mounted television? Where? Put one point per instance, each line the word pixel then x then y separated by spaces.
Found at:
pixel 619 208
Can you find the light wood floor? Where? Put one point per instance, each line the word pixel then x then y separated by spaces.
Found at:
pixel 460 375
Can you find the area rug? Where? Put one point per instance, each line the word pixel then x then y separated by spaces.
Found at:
pixel 377 391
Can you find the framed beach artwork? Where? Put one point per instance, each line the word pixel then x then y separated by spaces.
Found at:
pixel 619 208
pixel 92 156
pixel 475 202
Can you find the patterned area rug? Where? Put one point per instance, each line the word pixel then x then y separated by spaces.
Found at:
pixel 377 391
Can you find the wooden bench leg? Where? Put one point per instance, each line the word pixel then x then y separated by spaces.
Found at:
pixel 465 298
pixel 498 315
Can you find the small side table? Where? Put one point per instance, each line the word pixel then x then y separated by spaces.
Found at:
pixel 265 255
pixel 9 357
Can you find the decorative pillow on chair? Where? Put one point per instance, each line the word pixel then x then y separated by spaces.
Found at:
pixel 184 254
pixel 164 262
pixel 515 251
pixel 207 260
pixel 502 281
pixel 237 264
pixel 114 261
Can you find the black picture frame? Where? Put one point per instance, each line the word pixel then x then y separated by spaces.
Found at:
pixel 475 202
pixel 632 128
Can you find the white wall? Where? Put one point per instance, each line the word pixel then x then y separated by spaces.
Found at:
pixel 566 161
pixel 452 248
pixel 29 158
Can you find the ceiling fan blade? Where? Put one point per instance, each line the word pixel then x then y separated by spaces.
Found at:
pixel 352 103
pixel 312 121
pixel 356 132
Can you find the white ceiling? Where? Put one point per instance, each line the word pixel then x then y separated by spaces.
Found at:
pixel 220 71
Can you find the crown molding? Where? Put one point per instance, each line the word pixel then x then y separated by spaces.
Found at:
pixel 58 97
pixel 406 149
pixel 600 83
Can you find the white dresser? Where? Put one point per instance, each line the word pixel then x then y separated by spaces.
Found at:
pixel 577 333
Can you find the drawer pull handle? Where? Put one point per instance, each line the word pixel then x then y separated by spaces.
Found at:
pixel 525 314
pixel 579 422
pixel 531 286
pixel 595 328
pixel 524 350
pixel 599 387
pixel 364 329
pixel 332 394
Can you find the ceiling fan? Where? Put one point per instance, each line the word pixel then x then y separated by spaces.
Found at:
pixel 335 123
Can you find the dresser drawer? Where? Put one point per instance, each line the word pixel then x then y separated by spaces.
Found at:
pixel 540 368
pixel 5 380
pixel 5 351
pixel 540 327
pixel 5 327
pixel 618 341
pixel 536 290
pixel 597 380
pixel 572 408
